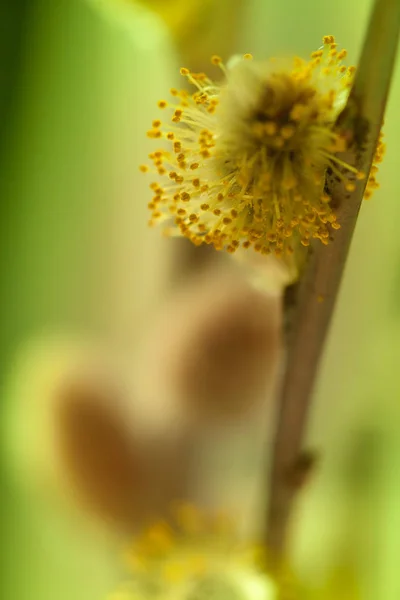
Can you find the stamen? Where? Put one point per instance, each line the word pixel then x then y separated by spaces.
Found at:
pixel 254 177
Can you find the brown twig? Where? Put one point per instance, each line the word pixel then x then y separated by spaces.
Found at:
pixel 309 304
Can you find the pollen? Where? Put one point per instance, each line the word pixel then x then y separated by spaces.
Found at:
pixel 261 143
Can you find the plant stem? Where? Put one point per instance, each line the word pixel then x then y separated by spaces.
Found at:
pixel 310 303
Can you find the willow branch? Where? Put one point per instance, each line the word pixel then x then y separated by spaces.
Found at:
pixel 309 305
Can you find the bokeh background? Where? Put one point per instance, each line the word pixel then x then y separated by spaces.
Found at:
pixel 79 84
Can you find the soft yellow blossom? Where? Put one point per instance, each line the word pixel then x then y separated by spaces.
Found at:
pixel 194 558
pixel 244 161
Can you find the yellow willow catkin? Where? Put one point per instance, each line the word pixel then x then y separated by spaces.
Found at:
pixel 246 159
pixel 195 557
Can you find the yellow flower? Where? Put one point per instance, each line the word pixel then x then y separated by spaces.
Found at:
pixel 245 160
pixel 195 558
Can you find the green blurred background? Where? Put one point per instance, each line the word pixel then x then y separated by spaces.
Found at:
pixel 79 81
